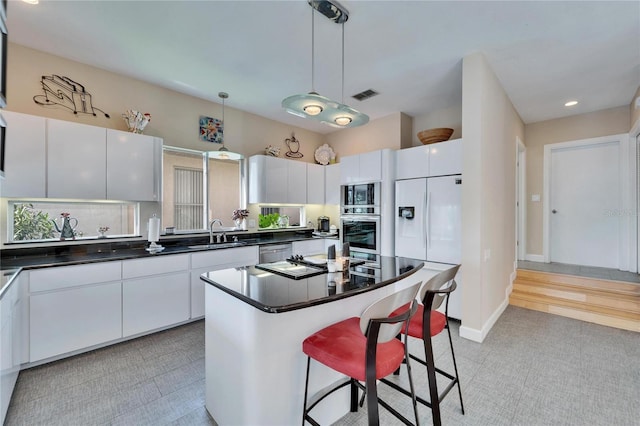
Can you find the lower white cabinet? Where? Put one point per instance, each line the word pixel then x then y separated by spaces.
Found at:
pixel 154 302
pixel 214 260
pixel 74 318
pixel 11 307
pixel 155 293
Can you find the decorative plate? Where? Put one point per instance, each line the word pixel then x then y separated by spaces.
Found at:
pixel 324 154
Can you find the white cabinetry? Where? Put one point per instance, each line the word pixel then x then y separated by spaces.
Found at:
pixel 277 180
pixel 438 159
pixel 445 158
pixel 315 184
pixel 76 160
pixel 361 168
pixel 73 307
pixel 332 184
pixel 11 334
pixel 308 247
pixel 133 166
pixel 155 293
pixel 214 260
pixel 412 162
pixel 26 156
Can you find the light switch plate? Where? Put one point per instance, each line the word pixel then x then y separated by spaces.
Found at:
pixel 535 197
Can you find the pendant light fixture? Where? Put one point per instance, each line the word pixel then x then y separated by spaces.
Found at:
pixel 312 105
pixel 223 153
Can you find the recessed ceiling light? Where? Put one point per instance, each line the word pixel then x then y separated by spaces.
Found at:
pixel 31 1
pixel 571 103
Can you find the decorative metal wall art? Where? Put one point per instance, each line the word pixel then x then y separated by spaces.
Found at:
pixel 64 92
pixel 211 129
pixel 294 147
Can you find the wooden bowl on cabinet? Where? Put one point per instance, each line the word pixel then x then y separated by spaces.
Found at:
pixel 440 134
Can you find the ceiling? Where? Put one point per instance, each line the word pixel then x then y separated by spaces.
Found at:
pixel 544 53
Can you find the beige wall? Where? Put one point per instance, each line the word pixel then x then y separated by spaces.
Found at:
pixel 447 117
pixel 386 132
pixel 537 135
pixel 174 115
pixel 491 126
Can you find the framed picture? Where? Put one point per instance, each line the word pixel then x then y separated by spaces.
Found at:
pixel 211 129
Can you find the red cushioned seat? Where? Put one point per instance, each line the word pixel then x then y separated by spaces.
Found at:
pixel 342 347
pixel 438 322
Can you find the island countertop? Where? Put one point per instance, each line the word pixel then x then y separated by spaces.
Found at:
pixel 274 293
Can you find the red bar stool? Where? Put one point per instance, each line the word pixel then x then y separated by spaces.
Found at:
pixel 427 323
pixel 364 349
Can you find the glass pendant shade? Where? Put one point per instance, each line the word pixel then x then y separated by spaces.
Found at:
pixel 317 107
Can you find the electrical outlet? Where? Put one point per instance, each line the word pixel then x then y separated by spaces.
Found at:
pixel 535 197
pixel 487 254
pixel 252 223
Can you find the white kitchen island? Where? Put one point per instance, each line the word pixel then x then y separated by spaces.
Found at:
pixel 255 324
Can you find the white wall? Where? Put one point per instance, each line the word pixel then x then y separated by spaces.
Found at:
pixel 491 125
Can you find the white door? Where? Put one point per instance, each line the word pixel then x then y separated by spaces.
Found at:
pixel 585 201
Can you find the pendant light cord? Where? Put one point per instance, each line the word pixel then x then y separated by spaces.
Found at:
pixel 313 46
pixel 343 62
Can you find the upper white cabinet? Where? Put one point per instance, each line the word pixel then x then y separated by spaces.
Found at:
pixel 332 184
pixel 26 156
pixel 76 160
pixel 445 158
pixel 438 159
pixel 61 159
pixel 315 184
pixel 134 166
pixel 361 168
pixel 277 180
pixel 412 162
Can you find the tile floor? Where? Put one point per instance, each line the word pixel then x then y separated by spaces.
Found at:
pixel 532 369
pixel 582 271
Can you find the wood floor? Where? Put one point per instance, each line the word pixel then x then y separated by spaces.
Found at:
pixel 601 301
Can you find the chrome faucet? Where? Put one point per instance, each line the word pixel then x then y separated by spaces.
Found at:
pixel 213 222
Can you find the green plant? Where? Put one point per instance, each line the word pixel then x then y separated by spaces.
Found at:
pixel 268 220
pixel 29 224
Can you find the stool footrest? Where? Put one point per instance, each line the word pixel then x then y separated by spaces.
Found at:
pixel 326 391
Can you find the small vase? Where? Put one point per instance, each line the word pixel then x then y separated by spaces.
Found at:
pixel 241 223
pixel 102 234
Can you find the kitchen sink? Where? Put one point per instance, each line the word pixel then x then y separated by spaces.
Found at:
pixel 219 245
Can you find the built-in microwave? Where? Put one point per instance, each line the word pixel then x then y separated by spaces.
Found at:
pixel 360 199
pixel 361 232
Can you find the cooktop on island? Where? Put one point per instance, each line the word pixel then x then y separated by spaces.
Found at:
pixel 291 270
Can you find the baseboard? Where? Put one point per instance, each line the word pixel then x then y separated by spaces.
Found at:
pixel 534 257
pixel 479 335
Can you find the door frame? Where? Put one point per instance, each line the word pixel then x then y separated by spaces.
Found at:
pixel 624 178
pixel 521 200
pixel 634 232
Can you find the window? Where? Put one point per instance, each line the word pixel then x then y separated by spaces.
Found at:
pixel 198 189
pixel 42 220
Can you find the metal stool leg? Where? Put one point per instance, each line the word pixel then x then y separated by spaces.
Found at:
pixel 433 386
pixel 455 367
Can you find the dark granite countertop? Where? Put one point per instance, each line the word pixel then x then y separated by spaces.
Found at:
pixel 273 293
pixel 75 253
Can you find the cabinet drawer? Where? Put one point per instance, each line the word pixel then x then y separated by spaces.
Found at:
pixel 72 276
pixel 228 258
pixel 154 266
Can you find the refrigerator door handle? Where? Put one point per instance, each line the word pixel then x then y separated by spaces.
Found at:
pixel 428 219
pixel 424 233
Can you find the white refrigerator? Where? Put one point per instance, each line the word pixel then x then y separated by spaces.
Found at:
pixel 428 225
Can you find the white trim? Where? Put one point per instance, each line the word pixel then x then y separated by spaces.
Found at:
pixel 634 202
pixel 623 140
pixel 535 258
pixel 479 335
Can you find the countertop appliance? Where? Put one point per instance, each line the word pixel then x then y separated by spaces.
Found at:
pixel 323 224
pixel 428 223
